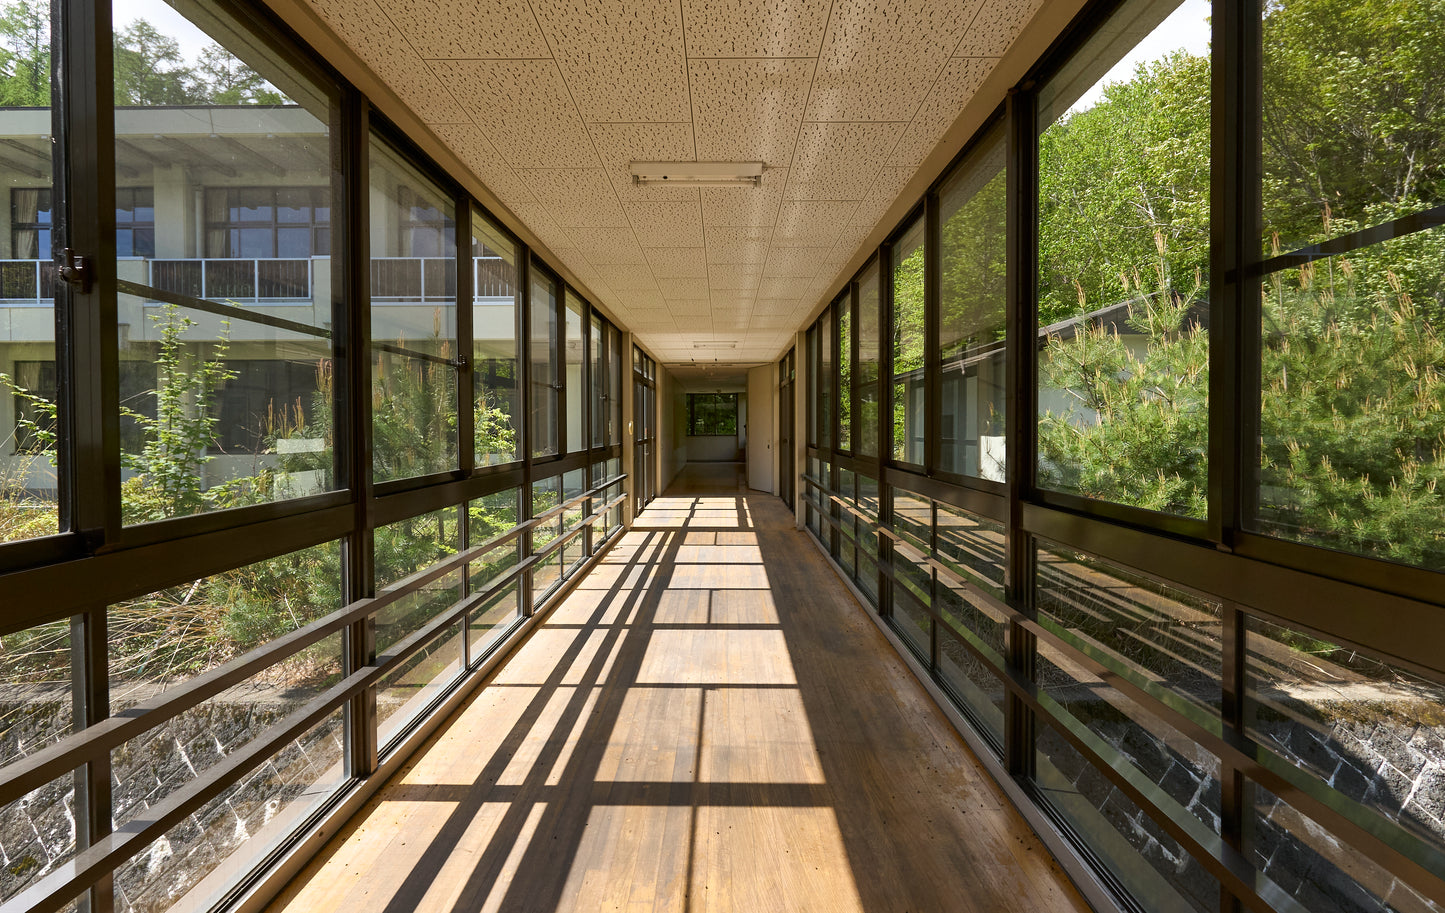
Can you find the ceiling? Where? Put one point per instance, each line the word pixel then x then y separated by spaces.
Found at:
pixel 549 101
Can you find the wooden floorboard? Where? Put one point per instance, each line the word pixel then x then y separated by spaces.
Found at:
pixel 709 722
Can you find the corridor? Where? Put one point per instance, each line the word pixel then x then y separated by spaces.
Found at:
pixel 708 722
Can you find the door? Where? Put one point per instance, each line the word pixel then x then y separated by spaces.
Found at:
pixel 761 390
pixel 785 429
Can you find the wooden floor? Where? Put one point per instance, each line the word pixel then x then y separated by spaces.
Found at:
pixel 708 723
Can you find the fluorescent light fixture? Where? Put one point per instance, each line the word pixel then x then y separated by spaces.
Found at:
pixel 699 174
pixel 715 345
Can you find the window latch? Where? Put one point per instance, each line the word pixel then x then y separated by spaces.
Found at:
pixel 76 269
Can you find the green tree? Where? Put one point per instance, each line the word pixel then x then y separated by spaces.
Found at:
pixel 169 480
pixel 25 54
pixel 228 81
pixel 150 69
pixel 1117 178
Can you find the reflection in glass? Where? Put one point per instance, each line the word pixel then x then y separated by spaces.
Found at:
pixel 844 309
pixel 869 377
pixel 1373 731
pixel 972 295
pixel 413 321
pixel 30 420
pixel 223 243
pixel 494 345
pixel 574 380
pixel 909 384
pixel 546 365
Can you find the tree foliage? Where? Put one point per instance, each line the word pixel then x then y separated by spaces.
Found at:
pixel 1352 411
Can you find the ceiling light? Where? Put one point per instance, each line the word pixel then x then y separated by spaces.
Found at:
pixel 715 345
pixel 699 174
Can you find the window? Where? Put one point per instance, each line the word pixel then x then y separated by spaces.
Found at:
pixel 1123 260
pixel 545 345
pixel 867 378
pixel 494 345
pixel 972 296
pixel 575 379
pixel 32 218
pixel 843 307
pixel 258 222
pixel 712 414
pixel 414 368
pixel 909 385
pixel 1351 433
pixel 248 395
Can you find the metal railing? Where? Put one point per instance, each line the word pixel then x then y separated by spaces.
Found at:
pixel 55 890
pixel 1384 843
pixel 276 279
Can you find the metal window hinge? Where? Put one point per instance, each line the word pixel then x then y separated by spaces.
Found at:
pixel 76 270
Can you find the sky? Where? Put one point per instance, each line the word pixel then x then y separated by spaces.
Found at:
pixel 1187 28
pixel 166 20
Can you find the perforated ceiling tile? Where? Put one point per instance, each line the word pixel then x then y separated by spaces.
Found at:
pixel 783 288
pixel 651 319
pixel 372 35
pixel 581 198
pixel 732 277
pixel 851 236
pixel 539 220
pixel 956 86
pixel 811 223
pixel 677 262
pixel 749 253
pixel 666 224
pixel 754 28
pixel 839 161
pixel 765 319
pixel 642 298
pixel 881 56
pixel 748 110
pixel 525 110
pixel 623 59
pixel 469 28
pixel 627 278
pixel 890 181
pixel 745 207
pixel 580 266
pixel 997 25
pixel 607 245
pixel 620 145
pixel 477 152
pixel 792 262
pixel 694 289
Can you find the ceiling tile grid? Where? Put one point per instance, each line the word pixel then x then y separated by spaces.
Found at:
pixel 549 102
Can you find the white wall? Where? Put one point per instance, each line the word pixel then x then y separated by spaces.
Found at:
pixel 671 428
pixel 760 428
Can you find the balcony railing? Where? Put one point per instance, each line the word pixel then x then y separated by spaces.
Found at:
pixel 27 280
pixel 229 279
pixel 393 279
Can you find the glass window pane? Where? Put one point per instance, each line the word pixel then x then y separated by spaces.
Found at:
pixel 868 378
pixel 546 369
pixel 826 340
pixel 1372 731
pixel 226 407
pixel 1145 631
pixel 164 639
pixel 1147 863
pixel 844 407
pixel 575 381
pixel 30 426
pixel 35 674
pixel 907 269
pixel 1351 134
pixel 413 321
pixel 1123 251
pixel 971 322
pixel 495 345
pixel 601 394
pixel 1350 458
